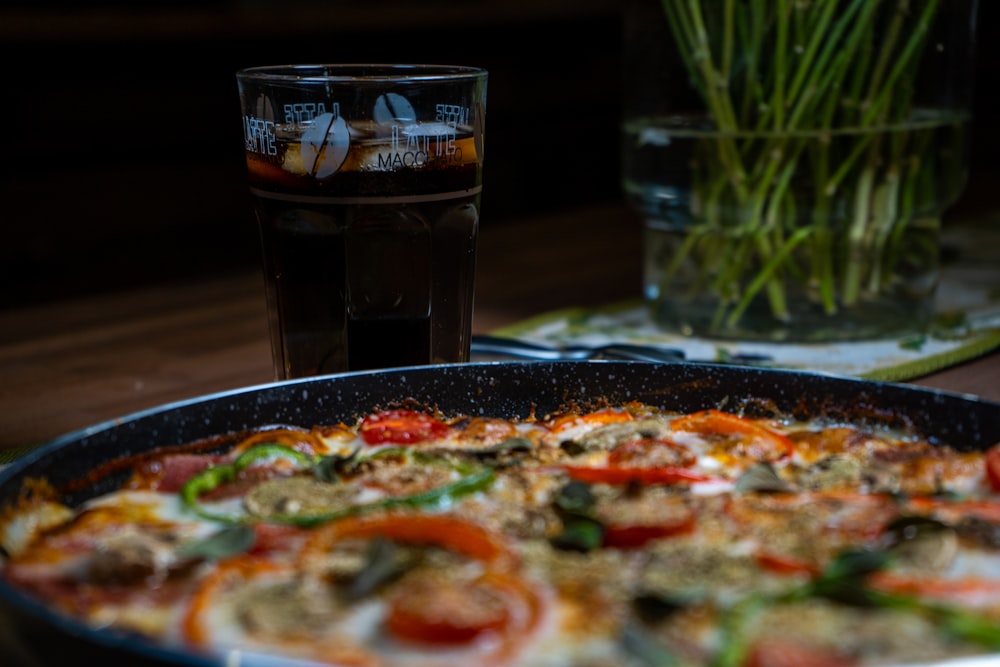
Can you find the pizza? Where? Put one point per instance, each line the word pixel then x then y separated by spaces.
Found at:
pixel 606 535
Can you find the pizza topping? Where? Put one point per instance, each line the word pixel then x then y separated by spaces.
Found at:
pixel 168 473
pixel 736 438
pixel 993 467
pixel 843 471
pixel 619 520
pixel 214 477
pixel 464 588
pixel 383 561
pixel 979 531
pixel 438 609
pixel 814 443
pixel 402 478
pixel 517 503
pixel 938 473
pixel 858 578
pixel 441 530
pixel 811 620
pixel 134 556
pixel 497 451
pixel 486 432
pixel 17 533
pixel 779 652
pixel 652 452
pixel 699 570
pixel 298 496
pixel 309 443
pixel 285 609
pixel 580 531
pixel 762 477
pixel 613 435
pixel 634 521
pixel 229 541
pixel 630 475
pixel 810 526
pixel 402 427
pixel 573 422
pixel 920 543
pixel 308 500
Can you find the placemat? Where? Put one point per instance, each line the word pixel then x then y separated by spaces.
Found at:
pixel 966 323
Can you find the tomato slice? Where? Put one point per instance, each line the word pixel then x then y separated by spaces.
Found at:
pixel 785 564
pixel 401 427
pixel 439 608
pixel 498 605
pixel 443 610
pixel 448 611
pixel 449 532
pixel 597 418
pixel 993 466
pixel 643 461
pixel 200 621
pixel 955 510
pixel 638 535
pixel 652 453
pixel 860 515
pixel 786 653
pixel 194 623
pixel 971 591
pixel 755 440
pixel 837 520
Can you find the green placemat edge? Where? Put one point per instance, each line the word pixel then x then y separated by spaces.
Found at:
pixel 11 454
pixel 987 342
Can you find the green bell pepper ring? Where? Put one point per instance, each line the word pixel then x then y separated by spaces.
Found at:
pixel 212 478
pixel 472 479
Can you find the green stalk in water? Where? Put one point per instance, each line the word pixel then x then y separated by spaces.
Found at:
pixel 808 177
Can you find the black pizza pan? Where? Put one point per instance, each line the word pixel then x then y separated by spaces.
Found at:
pixel 34 636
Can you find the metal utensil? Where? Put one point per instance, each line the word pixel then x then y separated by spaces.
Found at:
pixel 503 346
pixel 513 347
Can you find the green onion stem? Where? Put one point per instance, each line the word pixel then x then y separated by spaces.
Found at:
pixel 801 93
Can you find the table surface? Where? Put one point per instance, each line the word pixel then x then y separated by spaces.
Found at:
pixel 67 365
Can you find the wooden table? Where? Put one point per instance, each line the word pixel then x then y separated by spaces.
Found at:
pixel 67 365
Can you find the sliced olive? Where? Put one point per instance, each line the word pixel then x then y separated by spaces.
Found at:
pixel 762 477
pixel 921 542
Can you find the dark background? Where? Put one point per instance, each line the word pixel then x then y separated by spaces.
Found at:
pixel 122 146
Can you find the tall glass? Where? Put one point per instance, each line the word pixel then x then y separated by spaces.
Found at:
pixel 366 184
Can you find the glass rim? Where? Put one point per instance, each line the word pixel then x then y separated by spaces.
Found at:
pixel 360 72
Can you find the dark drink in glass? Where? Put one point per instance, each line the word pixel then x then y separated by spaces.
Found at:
pixel 368 224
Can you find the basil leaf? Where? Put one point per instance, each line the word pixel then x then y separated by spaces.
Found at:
pixel 843 580
pixel 580 533
pixel 655 607
pixel 383 564
pixel 508 446
pixel 329 468
pixel 762 477
pixel 575 497
pixel 227 542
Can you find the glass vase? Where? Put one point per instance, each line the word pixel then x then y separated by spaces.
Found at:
pixel 791 161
